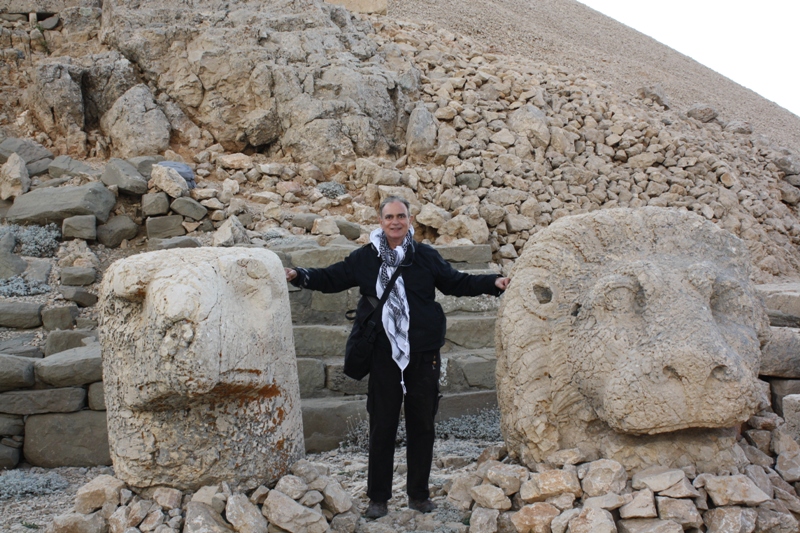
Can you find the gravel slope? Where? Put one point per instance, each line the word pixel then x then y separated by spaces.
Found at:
pixel 565 32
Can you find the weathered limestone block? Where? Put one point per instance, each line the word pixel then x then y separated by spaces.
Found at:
pixel 66 439
pixel 16 372
pixel 77 366
pixel 779 355
pixel 42 206
pixel 200 379
pixel 639 323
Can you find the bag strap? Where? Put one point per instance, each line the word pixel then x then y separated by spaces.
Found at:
pixel 374 302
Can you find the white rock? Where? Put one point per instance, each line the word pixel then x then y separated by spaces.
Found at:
pixel 490 497
pixel 593 521
pixel 244 516
pixel 284 512
pixel 483 520
pixel 99 491
pixel 642 506
pixel 734 490
pixel 534 517
pixel 336 498
pixel 602 476
pixel 14 180
pixel 168 180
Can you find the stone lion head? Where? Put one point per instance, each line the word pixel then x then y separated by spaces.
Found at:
pixel 627 326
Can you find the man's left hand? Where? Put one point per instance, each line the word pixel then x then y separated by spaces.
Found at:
pixel 502 283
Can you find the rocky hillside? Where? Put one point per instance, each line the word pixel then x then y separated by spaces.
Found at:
pixel 566 32
pixel 332 112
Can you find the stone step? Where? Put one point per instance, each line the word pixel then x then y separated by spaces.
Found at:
pixel 462 370
pixel 313 307
pixel 470 331
pixel 466 331
pixel 320 340
pixel 468 369
pixel 326 421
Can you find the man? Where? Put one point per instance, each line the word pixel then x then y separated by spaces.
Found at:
pixel 406 360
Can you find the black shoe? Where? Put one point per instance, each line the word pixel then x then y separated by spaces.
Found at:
pixel 423 506
pixel 376 509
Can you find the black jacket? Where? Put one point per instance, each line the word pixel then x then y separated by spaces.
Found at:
pixel 423 271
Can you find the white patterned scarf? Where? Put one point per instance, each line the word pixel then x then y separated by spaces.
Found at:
pixel 395 316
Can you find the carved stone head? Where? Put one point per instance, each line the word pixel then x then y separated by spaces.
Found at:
pixel 625 329
pixel 199 371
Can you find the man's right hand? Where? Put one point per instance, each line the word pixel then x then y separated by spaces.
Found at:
pixel 290 273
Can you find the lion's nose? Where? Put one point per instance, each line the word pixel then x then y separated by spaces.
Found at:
pixel 702 362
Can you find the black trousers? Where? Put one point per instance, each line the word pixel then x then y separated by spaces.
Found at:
pixel 384 398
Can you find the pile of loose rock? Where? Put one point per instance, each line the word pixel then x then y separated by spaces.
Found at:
pixel 309 500
pixel 484 493
pixel 567 494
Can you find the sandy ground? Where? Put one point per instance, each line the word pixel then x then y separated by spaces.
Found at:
pixel 565 32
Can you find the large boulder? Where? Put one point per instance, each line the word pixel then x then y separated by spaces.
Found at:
pixel 69 95
pixel 136 124
pixel 56 100
pixel 54 204
pixel 634 335
pixel 244 78
pixel 199 369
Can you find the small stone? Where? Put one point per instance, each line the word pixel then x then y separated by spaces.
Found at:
pixel 292 486
pixel 535 517
pixel 681 489
pixel 508 477
pixel 657 478
pixel 601 477
pixel 551 483
pixel 167 498
pixel 97 492
pixel 731 519
pixel 244 515
pixel 484 520
pixel 788 466
pixel 734 490
pixel 681 511
pixel 259 495
pixel 336 498
pixel 642 506
pixel 490 497
pixel 593 521
pixel 608 501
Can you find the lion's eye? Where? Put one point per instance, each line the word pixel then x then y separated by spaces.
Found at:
pixel 619 298
pixel 543 294
pixel 730 301
pixel 625 296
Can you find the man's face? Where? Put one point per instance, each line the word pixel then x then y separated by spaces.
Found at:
pixel 395 221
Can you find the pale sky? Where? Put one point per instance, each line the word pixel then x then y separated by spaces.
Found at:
pixel 754 43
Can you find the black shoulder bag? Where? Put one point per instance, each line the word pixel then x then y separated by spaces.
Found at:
pixel 361 343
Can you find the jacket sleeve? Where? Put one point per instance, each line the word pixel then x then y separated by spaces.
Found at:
pixel 334 278
pixel 451 281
